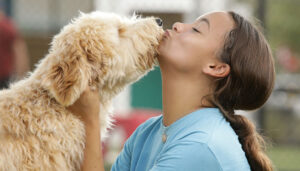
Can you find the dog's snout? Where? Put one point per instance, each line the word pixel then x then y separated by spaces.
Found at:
pixel 159 21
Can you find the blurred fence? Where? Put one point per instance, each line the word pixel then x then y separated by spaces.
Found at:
pixel 281 123
pixel 40 20
pixel 47 16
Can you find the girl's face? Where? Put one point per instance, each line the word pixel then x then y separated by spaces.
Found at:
pixel 190 48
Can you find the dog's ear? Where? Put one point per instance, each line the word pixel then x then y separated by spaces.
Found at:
pixel 68 75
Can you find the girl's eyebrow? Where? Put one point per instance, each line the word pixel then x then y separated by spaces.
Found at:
pixel 205 20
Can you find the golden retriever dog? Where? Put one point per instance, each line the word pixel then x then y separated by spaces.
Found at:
pixel 102 50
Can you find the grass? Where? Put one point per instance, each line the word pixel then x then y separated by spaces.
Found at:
pixel 285 158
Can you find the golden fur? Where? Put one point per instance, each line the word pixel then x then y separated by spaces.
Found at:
pixel 102 50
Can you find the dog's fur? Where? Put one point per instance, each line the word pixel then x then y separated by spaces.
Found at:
pixel 101 50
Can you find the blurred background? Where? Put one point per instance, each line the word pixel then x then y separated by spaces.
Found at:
pixel 27 27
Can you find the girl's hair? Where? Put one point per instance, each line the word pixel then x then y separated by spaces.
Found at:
pixel 247 86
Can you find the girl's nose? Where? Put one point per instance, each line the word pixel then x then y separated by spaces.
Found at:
pixel 177 27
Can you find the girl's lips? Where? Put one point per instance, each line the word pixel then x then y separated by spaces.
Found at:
pixel 167 34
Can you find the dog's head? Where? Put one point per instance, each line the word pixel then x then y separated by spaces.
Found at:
pixel 99 49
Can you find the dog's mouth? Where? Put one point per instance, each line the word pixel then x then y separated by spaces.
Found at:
pixel 149 58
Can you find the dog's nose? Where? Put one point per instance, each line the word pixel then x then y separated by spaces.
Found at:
pixel 159 21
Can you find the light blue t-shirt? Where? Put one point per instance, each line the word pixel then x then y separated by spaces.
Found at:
pixel 200 141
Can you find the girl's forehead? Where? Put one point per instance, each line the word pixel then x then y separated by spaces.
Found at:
pixel 219 19
pixel 215 16
pixel 208 14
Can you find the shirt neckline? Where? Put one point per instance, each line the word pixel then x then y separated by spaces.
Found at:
pixel 177 124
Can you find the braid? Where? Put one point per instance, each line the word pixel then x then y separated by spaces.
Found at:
pixel 252 143
pixel 247 86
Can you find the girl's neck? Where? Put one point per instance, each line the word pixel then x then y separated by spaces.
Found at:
pixel 182 94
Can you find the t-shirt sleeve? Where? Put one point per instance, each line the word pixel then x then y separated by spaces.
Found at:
pixel 187 156
pixel 123 160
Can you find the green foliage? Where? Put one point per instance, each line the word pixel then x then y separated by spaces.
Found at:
pixel 283 23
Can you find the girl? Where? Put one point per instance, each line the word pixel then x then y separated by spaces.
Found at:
pixel 210 68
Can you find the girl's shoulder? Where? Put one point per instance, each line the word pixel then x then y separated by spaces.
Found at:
pixel 150 124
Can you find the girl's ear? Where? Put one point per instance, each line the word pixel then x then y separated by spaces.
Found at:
pixel 68 74
pixel 217 69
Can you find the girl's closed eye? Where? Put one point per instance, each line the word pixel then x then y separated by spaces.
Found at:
pixel 196 30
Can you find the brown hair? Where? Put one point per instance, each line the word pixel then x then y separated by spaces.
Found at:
pixel 247 86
